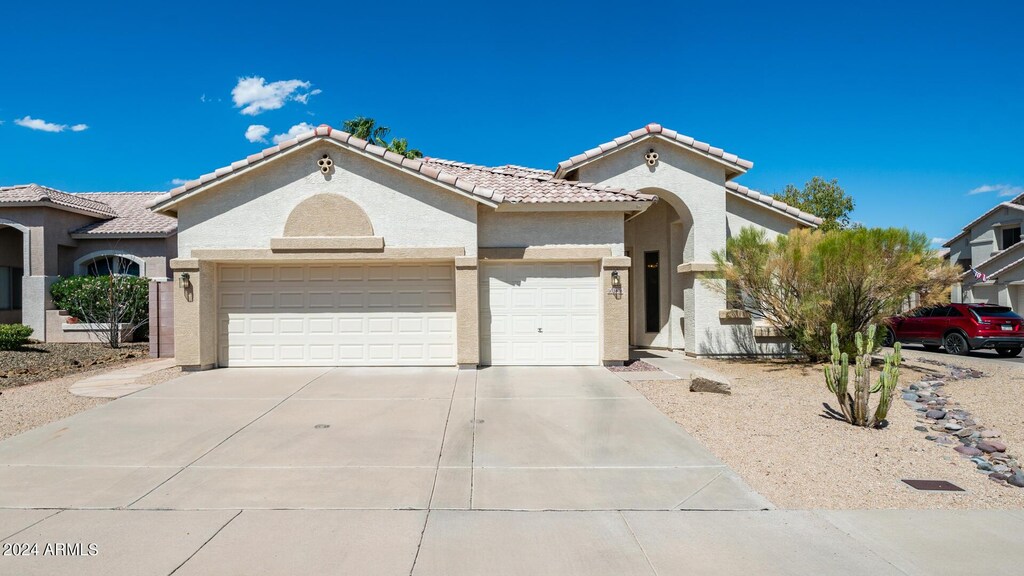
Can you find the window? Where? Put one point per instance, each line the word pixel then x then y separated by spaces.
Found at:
pixel 1011 236
pixel 104 265
pixel 652 292
pixel 10 288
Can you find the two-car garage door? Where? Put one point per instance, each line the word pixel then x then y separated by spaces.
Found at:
pixel 531 313
pixel 337 315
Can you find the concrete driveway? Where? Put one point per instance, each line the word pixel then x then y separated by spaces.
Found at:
pixel 424 471
pixel 372 438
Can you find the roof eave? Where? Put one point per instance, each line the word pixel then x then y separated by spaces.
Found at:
pixel 115 235
pixel 608 206
pixel 55 206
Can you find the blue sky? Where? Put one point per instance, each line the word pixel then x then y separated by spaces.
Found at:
pixel 910 105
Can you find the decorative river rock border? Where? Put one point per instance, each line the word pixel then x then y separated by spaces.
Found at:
pixel 949 424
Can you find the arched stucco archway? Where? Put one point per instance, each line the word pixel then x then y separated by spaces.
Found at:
pixel 26 243
pixel 81 264
pixel 659 240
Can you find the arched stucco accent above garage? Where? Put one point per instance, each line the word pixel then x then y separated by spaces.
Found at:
pixel 328 215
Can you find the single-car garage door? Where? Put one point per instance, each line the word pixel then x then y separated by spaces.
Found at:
pixel 337 315
pixel 544 313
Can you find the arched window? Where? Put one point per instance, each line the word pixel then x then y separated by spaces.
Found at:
pixel 107 263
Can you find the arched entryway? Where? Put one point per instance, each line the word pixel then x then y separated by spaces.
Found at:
pixel 14 265
pixel 658 240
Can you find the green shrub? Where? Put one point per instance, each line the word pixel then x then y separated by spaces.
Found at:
pixel 14 336
pixel 805 281
pixel 88 297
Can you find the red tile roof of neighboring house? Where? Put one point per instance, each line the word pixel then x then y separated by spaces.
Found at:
pixel 738 164
pixel 530 186
pixel 36 195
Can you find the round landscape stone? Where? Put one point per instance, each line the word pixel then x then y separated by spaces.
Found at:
pixel 935 414
pixel 968 450
pixel 991 446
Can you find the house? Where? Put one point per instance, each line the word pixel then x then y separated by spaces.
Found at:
pixel 327 250
pixel 991 246
pixel 46 233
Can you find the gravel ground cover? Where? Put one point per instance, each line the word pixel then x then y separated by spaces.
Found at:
pixel 46 361
pixel 33 405
pixel 775 432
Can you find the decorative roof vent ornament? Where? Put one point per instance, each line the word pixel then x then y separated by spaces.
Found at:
pixel 325 164
pixel 651 157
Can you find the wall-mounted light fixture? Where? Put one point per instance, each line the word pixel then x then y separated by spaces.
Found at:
pixel 616 289
pixel 184 280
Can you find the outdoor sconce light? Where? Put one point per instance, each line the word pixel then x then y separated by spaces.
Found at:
pixel 184 280
pixel 616 289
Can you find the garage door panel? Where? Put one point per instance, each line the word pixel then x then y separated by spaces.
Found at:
pixel 540 313
pixel 337 315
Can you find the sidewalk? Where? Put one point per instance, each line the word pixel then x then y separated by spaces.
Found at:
pixel 459 542
pixel 118 383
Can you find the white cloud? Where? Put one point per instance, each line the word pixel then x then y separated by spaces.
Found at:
pixel 939 241
pixel 293 132
pixel 254 95
pixel 178 181
pixel 257 133
pixel 42 125
pixel 999 189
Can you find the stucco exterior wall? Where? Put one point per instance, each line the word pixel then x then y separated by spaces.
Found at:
pixel 984 238
pixel 249 210
pixel 156 252
pixel 550 229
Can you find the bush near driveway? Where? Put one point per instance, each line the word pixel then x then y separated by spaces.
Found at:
pixel 804 281
pixel 14 336
pixel 111 300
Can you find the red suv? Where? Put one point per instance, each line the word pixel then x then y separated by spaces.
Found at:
pixel 959 328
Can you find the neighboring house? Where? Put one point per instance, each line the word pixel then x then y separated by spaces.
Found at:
pixel 991 245
pixel 324 250
pixel 46 233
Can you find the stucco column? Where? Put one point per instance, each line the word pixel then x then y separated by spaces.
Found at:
pixel 35 284
pixel 615 348
pixel 195 314
pixel 467 312
pixel 704 294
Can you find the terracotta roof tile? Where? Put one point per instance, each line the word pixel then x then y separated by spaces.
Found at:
pixel 650 130
pixel 532 186
pixel 134 218
pixel 749 194
pixel 508 183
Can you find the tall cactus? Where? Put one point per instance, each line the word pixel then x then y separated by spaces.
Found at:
pixel 855 406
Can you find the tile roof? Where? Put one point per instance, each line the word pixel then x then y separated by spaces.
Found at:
pixel 34 194
pixel 1007 268
pixel 119 213
pixel 652 130
pixel 325 132
pixel 520 185
pixel 1015 204
pixel 134 218
pixel 749 194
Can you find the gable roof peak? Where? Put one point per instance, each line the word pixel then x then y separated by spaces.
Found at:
pixel 733 163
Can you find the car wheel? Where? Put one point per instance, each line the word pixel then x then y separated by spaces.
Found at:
pixel 1008 352
pixel 956 344
pixel 889 339
pixel 932 347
